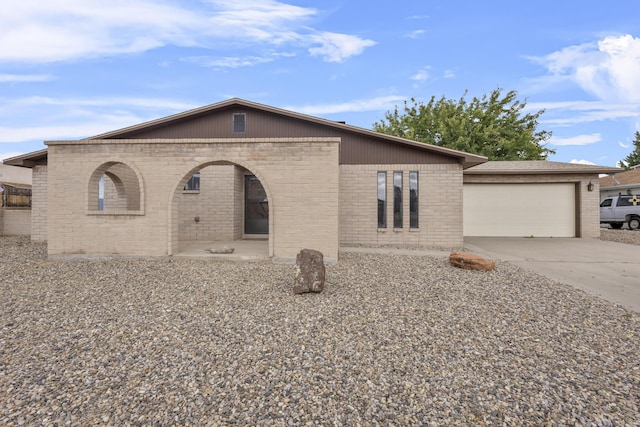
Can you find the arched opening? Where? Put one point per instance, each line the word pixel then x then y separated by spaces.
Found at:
pixel 114 188
pixel 230 207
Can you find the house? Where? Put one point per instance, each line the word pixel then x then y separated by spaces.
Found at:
pixel 625 182
pixel 239 169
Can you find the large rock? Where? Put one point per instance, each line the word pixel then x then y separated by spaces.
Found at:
pixel 470 261
pixel 310 272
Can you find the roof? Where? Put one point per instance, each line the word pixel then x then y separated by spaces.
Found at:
pixel 536 167
pixel 628 177
pixel 467 159
pixel 28 160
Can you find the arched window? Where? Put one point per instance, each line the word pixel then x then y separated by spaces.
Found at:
pixel 114 188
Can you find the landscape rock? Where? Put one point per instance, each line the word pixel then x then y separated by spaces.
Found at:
pixel 310 272
pixel 469 261
pixel 223 250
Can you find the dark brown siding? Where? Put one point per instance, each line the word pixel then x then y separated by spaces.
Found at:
pixel 355 148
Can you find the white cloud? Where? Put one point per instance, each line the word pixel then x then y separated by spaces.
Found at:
pixel 624 145
pixel 63 131
pixel 373 104
pixel 582 162
pixel 421 75
pixel 25 78
pixel 415 34
pixel 576 140
pixel 31 118
pixel 567 113
pixel 336 47
pixel 60 30
pixel 607 69
pixel 449 74
pixel 235 61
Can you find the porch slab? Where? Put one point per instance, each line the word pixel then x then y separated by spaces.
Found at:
pixel 245 249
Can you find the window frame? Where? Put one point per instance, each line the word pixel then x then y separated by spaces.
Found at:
pixel 235 129
pixel 398 222
pixel 414 200
pixel 382 191
pixel 193 184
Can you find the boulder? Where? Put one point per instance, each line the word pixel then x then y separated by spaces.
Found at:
pixel 310 272
pixel 470 261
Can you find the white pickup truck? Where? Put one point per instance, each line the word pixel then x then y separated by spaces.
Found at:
pixel 616 210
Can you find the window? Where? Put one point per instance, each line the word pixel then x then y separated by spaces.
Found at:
pixel 193 183
pixel 115 189
pixel 606 203
pixel 382 200
pixel 628 201
pixel 397 200
pixel 239 123
pixel 413 199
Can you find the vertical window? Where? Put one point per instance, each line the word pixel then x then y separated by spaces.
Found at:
pixel 413 199
pixel 239 123
pixel 382 200
pixel 397 200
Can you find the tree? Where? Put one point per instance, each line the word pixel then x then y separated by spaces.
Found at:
pixel 494 126
pixel 633 159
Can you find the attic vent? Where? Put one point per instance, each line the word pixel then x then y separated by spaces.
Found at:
pixel 239 123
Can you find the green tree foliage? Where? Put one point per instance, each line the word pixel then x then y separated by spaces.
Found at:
pixel 633 158
pixel 494 126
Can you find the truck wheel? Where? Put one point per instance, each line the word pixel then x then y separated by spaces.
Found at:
pixel 617 225
pixel 634 223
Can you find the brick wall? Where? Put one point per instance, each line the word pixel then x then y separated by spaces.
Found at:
pixel 439 201
pixel 587 202
pixel 213 206
pixel 300 176
pixel 39 204
pixel 15 221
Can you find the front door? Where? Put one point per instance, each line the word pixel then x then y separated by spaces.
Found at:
pixel 256 207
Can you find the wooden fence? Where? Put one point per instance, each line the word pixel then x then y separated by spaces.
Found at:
pixel 14 197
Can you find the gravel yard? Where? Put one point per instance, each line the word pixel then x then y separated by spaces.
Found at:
pixel 393 340
pixel 630 237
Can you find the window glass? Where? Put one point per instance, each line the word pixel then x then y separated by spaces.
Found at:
pixel 413 199
pixel 397 200
pixel 382 200
pixel 239 123
pixel 194 182
pixel 623 201
pixel 605 203
pixel 628 201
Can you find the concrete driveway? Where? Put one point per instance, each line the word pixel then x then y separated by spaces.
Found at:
pixel 606 269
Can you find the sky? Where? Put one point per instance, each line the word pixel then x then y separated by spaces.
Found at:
pixel 71 69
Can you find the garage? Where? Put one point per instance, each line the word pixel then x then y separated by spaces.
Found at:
pixel 520 210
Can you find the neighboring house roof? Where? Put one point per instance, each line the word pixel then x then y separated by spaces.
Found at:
pixel 28 160
pixel 622 178
pixel 536 167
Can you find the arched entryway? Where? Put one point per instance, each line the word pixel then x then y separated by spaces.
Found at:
pixel 221 204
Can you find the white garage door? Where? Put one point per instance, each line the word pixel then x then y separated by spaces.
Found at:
pixel 519 210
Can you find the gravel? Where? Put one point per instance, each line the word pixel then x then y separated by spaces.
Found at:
pixel 393 340
pixel 630 237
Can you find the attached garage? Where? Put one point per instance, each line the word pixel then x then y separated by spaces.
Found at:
pixel 520 210
pixel 532 198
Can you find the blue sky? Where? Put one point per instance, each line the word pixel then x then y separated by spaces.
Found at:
pixel 76 68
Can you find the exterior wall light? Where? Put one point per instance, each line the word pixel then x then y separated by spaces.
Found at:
pixel 590 186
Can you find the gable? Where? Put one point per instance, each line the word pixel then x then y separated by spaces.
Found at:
pixel 355 147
